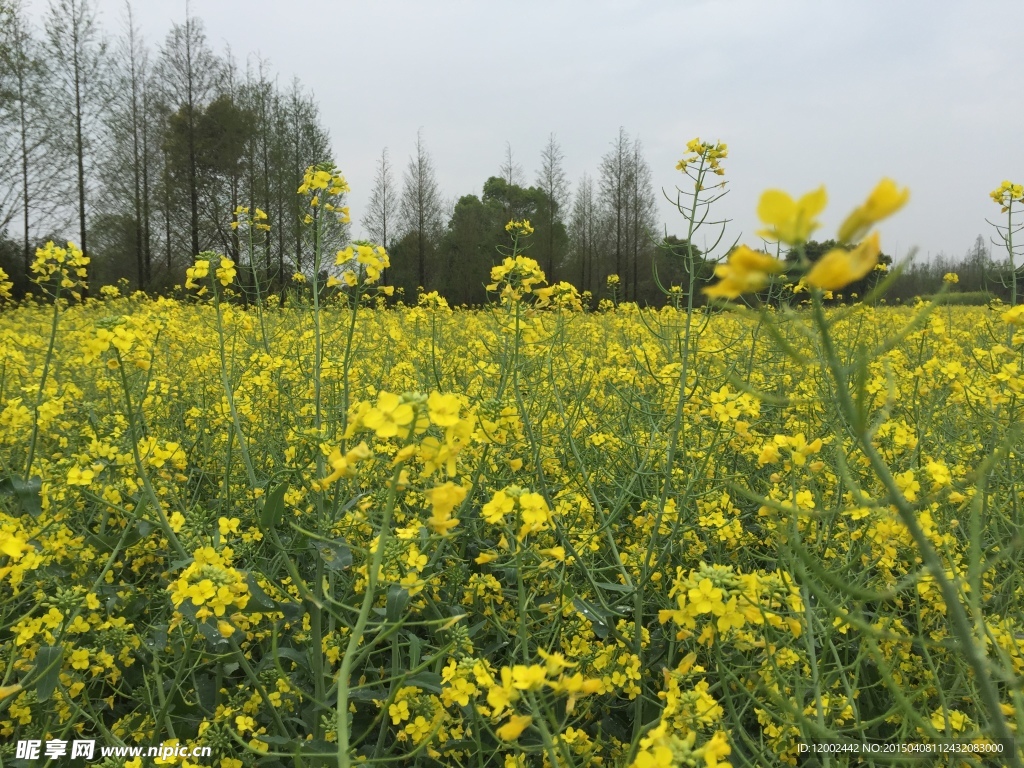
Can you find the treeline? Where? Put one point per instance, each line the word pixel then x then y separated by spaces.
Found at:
pixel 140 155
pixel 979 276
pixel 609 227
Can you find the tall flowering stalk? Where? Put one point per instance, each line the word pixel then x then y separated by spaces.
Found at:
pixel 1008 196
pixel 54 270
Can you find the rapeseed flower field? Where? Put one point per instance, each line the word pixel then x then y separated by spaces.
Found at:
pixel 335 533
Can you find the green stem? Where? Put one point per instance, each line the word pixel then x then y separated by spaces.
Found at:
pixel 960 624
pixel 42 384
pixel 345 670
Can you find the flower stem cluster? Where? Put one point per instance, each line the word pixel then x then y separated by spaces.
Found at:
pixel 516 277
pixel 243 219
pixel 1006 194
pixel 64 267
pixel 704 154
pixel 324 187
pixel 363 264
pixel 213 588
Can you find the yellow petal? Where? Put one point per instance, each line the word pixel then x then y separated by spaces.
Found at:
pixel 838 268
pixel 775 206
pixel 814 202
pixel 885 199
pixel 511 730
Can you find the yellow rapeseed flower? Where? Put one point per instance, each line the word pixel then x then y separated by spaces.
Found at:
pixel 226 271
pixel 511 730
pixel 884 200
pixel 1014 316
pixel 528 677
pixel 389 415
pixel 839 267
pixel 443 499
pixel 500 505
pixel 521 228
pixel 443 409
pixel 1006 193
pixel 746 271
pixel 790 221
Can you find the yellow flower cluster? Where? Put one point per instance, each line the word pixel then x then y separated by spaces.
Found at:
pixel 532 511
pixel 704 153
pixel 64 266
pixel 258 220
pixel 324 181
pixel 516 277
pixel 226 271
pixel 512 683
pixel 792 221
pixel 5 286
pixel 214 589
pixel 562 295
pixel 730 601
pixel 433 300
pixel 519 228
pixel 746 271
pixel 1006 194
pixel 368 263
pixel 195 273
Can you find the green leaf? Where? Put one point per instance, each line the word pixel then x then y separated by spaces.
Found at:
pixel 273 507
pixel 594 615
pixel 398 599
pixel 415 649
pixel 336 554
pixel 48 663
pixel 259 601
pixel 428 681
pixel 27 493
pixel 614 587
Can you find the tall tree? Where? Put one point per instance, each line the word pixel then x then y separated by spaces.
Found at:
pixel 258 96
pixel 468 246
pixel 9 192
pixel 511 171
pixel 126 169
pixel 307 144
pixel 421 207
pixel 379 219
pixel 188 74
pixel 551 179
pixel 584 233
pixel 25 130
pixel 641 207
pixel 78 57
pixel 223 129
pixel 614 185
pixel 512 174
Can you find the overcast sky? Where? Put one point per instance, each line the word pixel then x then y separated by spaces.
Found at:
pixel 804 93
